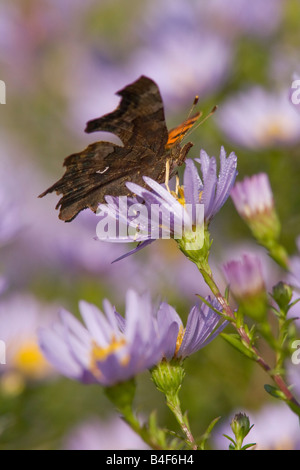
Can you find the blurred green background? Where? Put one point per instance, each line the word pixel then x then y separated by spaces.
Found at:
pixel 62 62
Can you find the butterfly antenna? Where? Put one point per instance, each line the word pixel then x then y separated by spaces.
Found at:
pixel 214 109
pixel 195 102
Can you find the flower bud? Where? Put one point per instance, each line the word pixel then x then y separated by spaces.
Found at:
pixel 282 294
pixel 240 426
pixel 168 376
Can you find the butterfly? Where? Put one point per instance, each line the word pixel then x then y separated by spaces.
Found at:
pixel 103 168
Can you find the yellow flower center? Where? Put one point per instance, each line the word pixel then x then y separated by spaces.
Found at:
pixel 99 354
pixel 179 195
pixel 30 361
pixel 275 129
pixel 179 339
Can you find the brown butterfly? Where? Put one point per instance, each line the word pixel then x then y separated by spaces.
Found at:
pixel 103 167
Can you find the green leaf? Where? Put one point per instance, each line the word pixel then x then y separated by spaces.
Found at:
pixel 231 439
pixel 236 342
pixel 207 433
pixel 274 392
pixel 246 446
pixel 155 432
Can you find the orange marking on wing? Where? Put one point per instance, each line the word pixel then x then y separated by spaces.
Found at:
pixel 177 133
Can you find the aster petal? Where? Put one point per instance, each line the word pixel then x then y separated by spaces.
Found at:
pixel 191 332
pixel 75 326
pixel 57 352
pixel 121 321
pixel 110 313
pixel 166 197
pixel 167 315
pixel 139 247
pixel 192 183
pixel 97 325
pixel 170 340
pixel 143 193
pixel 226 179
pixel 204 161
pixel 76 339
pixel 215 334
pixel 209 189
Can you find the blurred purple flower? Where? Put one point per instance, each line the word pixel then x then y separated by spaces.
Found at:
pixel 294 276
pixel 247 285
pixel 242 17
pixel 201 328
pixel 253 199
pixel 110 349
pixel 175 39
pixel 276 427
pixel 3 284
pixel 253 196
pixel 259 119
pixel 94 434
pixel 245 276
pixel 11 216
pixel 205 59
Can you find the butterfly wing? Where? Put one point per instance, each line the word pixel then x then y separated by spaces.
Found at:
pixel 139 114
pixel 178 133
pixel 103 168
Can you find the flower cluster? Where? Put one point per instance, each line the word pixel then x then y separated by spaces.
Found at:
pixel 110 348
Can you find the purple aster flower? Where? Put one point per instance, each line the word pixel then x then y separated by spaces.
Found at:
pixel 201 328
pixel 109 349
pixel 245 276
pixel 259 119
pixel 246 282
pixel 183 216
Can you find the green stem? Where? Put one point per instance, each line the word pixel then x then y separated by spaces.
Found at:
pixel 174 405
pixel 122 395
pixel 277 378
pixel 278 254
pixel 142 431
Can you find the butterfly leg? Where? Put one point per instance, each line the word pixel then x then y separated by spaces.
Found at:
pixel 177 184
pixel 167 177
